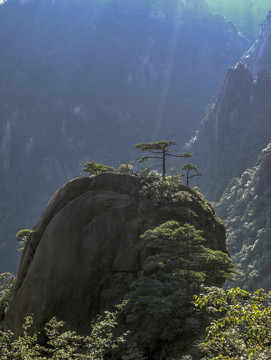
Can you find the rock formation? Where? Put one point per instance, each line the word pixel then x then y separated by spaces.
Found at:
pixel 235 129
pixel 258 57
pixel 87 237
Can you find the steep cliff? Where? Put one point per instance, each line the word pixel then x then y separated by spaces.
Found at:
pixel 83 80
pixel 84 253
pixel 259 56
pixel 245 206
pixel 235 129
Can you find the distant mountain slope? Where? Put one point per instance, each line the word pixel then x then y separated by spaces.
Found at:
pixel 86 80
pixel 237 126
pixel 235 129
pixel 228 150
pixel 259 55
pixel 247 15
pixel 245 207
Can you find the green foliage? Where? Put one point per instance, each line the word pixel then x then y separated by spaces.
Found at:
pixel 23 236
pixel 94 169
pixel 63 345
pixel 133 353
pixel 242 324
pixel 162 145
pixel 246 214
pixel 167 200
pixel 190 167
pixel 161 198
pixel 6 284
pixel 180 253
pixel 176 263
pixel 160 151
pixel 126 168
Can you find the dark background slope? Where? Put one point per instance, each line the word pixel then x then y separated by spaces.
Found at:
pixel 85 81
pixel 229 149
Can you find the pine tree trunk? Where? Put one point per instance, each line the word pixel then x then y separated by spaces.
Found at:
pixel 164 164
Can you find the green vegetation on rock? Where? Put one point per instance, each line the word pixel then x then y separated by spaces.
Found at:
pixel 23 236
pixel 94 169
pixel 61 344
pixel 159 150
pixel 245 208
pixel 176 263
pixel 6 285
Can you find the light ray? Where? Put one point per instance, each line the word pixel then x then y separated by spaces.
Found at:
pixel 160 117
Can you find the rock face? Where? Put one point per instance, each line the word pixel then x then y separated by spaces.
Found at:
pixel 88 236
pixel 235 129
pixel 233 105
pixel 258 57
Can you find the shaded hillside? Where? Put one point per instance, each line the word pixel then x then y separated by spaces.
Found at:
pixel 245 206
pixel 84 80
pixel 86 255
pixel 259 55
pixel 237 126
pixel 234 130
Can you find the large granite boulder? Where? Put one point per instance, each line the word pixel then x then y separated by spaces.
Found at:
pixel 84 252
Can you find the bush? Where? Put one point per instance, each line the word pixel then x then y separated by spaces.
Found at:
pixel 63 345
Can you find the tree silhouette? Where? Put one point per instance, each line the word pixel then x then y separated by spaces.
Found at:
pixel 190 167
pixel 94 169
pixel 160 150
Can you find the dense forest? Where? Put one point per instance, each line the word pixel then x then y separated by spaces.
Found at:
pixel 144 126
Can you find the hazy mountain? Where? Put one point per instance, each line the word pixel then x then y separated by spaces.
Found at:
pixel 237 127
pixel 228 149
pixel 245 207
pixel 86 80
pixel 247 15
pixel 259 55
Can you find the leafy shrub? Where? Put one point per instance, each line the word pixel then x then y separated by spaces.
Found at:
pixel 63 345
pixel 242 324
pixel 176 263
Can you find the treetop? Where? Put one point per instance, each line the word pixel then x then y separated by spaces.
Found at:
pixel 190 166
pixel 153 146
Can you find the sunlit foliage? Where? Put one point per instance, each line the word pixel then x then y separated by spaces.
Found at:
pixel 242 324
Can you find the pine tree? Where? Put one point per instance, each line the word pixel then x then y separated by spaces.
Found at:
pixel 94 169
pixel 190 167
pixel 160 150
